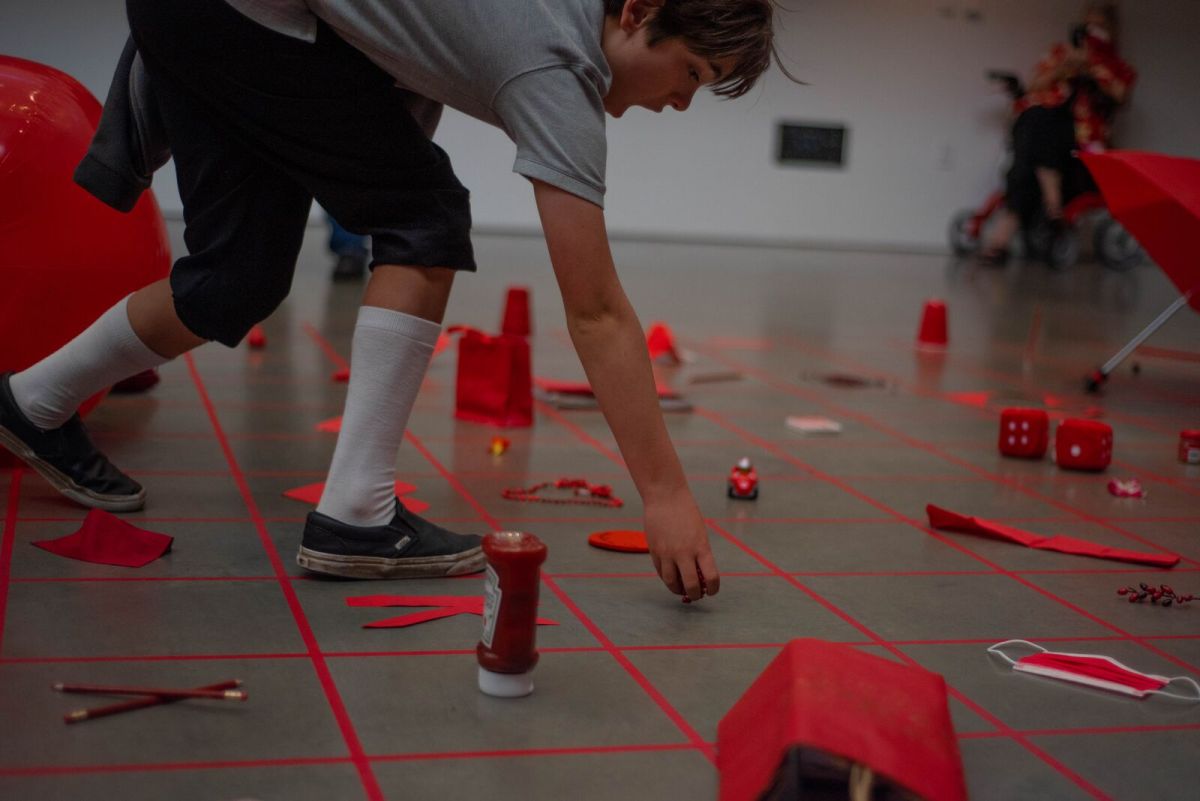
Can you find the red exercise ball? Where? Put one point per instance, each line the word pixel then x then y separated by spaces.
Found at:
pixel 65 257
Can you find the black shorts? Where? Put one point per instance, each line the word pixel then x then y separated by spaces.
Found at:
pixel 259 124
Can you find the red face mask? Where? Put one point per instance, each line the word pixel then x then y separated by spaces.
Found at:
pixel 1093 670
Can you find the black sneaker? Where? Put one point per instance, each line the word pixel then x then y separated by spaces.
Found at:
pixel 349 267
pixel 407 547
pixel 66 457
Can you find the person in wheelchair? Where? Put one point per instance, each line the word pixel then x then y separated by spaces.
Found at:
pixel 1068 107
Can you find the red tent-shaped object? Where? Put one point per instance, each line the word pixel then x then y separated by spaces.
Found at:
pixel 1157 199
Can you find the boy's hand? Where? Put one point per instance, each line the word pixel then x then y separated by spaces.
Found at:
pixel 678 541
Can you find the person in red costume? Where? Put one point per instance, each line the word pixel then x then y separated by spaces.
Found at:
pixel 1068 107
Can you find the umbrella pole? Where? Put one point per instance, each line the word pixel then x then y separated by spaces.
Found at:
pixel 1098 377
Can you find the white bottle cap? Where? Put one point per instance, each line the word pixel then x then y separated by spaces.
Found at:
pixel 505 685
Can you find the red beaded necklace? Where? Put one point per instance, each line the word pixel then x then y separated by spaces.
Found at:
pixel 583 493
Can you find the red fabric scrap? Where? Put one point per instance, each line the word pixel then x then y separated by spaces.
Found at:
pixel 311 494
pixel 105 539
pixel 951 521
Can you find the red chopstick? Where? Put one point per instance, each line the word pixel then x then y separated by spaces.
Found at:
pixel 80 715
pixel 107 689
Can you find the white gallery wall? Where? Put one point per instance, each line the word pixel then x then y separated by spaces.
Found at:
pixel 926 131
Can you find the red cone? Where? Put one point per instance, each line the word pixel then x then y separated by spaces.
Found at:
pixel 661 344
pixel 933 331
pixel 516 319
pixel 256 339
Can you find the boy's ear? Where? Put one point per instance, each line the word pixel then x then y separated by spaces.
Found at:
pixel 637 13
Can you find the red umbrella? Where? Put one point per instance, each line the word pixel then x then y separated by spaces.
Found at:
pixel 1157 199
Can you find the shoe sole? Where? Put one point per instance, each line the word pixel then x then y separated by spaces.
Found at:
pixel 65 485
pixel 380 567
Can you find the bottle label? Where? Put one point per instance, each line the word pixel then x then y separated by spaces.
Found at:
pixel 491 605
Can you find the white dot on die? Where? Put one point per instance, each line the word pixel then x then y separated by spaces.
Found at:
pixel 1012 440
pixel 1024 440
pixel 1012 426
pixel 1025 426
pixel 1076 450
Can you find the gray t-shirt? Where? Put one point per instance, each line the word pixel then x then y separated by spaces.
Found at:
pixel 532 67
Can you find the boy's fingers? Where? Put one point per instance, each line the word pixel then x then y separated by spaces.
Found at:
pixel 670 577
pixel 708 569
pixel 691 580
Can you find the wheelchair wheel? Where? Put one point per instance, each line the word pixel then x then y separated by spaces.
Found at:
pixel 1063 249
pixel 962 241
pixel 1115 247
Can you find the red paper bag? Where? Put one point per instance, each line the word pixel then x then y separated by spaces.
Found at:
pixel 495 380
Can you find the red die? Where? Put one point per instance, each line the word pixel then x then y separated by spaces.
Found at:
pixel 1083 445
pixel 1024 433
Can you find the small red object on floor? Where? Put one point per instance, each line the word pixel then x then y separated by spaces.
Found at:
pixel 625 541
pixel 822 703
pixel 1083 444
pixel 341 376
pixel 257 338
pixel 1189 446
pixel 661 344
pixel 743 481
pixel 105 539
pixel 1126 489
pixel 934 331
pixel 498 446
pixel 516 319
pixel 1024 433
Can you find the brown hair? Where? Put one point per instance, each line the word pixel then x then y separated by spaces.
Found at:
pixel 719 29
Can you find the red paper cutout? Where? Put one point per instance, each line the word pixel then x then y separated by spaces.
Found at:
pixel 951 521
pixel 311 494
pixel 107 540
pixel 341 376
pixel 444 606
pixel 332 425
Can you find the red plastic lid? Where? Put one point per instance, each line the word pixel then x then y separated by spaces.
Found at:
pixel 624 541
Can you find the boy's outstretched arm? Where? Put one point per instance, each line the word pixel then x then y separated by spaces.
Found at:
pixel 612 347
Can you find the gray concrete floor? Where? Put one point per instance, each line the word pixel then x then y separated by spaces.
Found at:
pixel 631 684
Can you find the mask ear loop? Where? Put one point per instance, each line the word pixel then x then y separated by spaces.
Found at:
pixel 995 649
pixel 1181 680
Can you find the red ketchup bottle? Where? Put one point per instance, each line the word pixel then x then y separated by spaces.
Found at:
pixel 507 651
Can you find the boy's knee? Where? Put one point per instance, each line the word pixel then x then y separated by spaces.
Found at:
pixel 223 309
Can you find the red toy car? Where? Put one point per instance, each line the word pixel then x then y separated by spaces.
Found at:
pixel 743 481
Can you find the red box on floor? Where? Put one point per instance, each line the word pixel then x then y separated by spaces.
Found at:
pixel 823 713
pixel 1083 445
pixel 1024 433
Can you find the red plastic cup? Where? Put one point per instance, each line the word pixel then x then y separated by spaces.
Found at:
pixel 516 312
pixel 933 332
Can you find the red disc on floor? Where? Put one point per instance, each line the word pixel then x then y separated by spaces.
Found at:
pixel 625 541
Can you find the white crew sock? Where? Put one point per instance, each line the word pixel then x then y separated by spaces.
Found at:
pixel 108 351
pixel 388 359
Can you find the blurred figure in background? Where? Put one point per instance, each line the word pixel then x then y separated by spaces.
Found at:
pixel 350 249
pixel 1068 107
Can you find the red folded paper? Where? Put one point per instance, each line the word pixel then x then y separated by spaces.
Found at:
pixel 945 519
pixel 107 540
pixel 311 494
pixel 444 606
